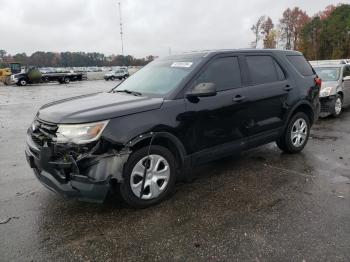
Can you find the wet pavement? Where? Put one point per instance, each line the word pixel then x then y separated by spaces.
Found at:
pixel 262 205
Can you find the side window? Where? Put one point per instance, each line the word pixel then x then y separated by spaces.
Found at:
pixel 263 69
pixel 280 74
pixel 223 72
pixel 300 63
pixel 346 71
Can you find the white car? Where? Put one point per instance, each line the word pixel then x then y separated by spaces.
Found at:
pixel 116 74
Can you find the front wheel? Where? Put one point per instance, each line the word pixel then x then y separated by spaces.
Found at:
pixel 159 181
pixel 338 106
pixel 296 135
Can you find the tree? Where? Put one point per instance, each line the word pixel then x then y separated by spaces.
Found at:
pixel 326 12
pixel 2 54
pixel 256 28
pixel 271 39
pixel 335 34
pixel 21 58
pixel 291 24
pixel 70 59
pixel 269 33
pixel 310 38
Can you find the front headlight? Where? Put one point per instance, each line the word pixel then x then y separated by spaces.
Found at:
pixel 80 133
pixel 326 91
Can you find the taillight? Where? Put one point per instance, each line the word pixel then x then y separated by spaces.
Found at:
pixel 318 81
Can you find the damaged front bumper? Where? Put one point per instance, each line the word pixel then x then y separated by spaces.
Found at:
pixel 87 179
pixel 327 105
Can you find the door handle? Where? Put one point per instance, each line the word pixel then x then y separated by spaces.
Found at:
pixel 238 98
pixel 288 88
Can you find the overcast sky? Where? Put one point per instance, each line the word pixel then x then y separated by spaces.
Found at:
pixel 150 27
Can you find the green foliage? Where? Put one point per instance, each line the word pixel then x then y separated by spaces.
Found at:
pixel 328 37
pixel 34 75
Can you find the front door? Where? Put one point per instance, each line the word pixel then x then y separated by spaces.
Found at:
pixel 217 121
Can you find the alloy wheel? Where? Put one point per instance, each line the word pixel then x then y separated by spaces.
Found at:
pixel 338 106
pixel 299 132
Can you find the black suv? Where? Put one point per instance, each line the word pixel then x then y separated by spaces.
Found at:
pixel 174 113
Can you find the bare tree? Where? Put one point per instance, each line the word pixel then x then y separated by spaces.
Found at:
pixel 291 24
pixel 256 28
pixel 269 33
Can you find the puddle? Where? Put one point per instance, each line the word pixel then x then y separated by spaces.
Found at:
pixel 339 179
pixel 323 137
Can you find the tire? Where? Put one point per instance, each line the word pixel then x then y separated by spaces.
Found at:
pixel 112 78
pixel 130 189
pixel 338 106
pixel 299 124
pixel 66 80
pixel 22 82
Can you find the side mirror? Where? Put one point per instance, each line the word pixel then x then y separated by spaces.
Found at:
pixel 203 90
pixel 346 78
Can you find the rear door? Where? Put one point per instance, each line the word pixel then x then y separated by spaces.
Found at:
pixel 267 92
pixel 346 84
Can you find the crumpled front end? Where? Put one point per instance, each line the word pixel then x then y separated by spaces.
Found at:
pixel 83 171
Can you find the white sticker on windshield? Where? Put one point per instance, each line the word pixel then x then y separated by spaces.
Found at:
pixel 182 64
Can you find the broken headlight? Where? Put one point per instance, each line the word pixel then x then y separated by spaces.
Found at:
pixel 80 133
pixel 326 91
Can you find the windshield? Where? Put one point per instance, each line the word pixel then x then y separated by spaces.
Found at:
pixel 158 78
pixel 328 73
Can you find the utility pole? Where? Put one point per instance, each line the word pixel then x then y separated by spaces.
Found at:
pixel 121 29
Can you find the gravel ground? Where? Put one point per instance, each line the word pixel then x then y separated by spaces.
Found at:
pixel 259 206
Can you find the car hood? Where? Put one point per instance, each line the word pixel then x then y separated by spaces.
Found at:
pixel 96 107
pixel 329 84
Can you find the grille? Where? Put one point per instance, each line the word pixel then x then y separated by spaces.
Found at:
pixel 325 108
pixel 43 132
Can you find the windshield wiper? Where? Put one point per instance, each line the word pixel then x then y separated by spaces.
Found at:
pixel 128 92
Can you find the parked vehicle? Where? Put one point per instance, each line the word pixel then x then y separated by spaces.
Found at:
pixel 117 74
pixel 335 89
pixel 5 73
pixel 34 76
pixel 174 113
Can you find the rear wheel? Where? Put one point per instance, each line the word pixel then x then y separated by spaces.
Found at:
pixel 296 135
pixel 159 181
pixel 112 78
pixel 66 80
pixel 338 106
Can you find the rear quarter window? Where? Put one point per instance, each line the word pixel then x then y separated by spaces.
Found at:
pixel 300 63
